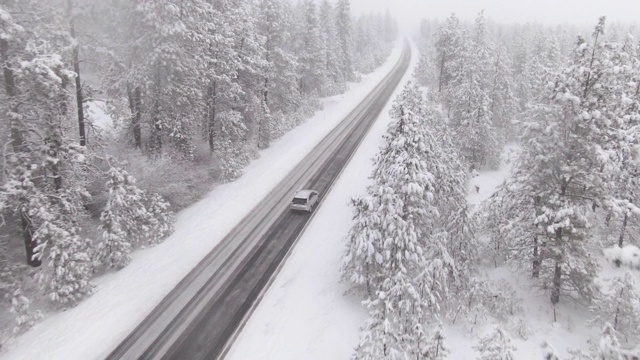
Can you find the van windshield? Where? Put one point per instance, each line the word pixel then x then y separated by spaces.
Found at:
pixel 299 201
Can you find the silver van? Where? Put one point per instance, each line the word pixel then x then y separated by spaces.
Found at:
pixel 304 200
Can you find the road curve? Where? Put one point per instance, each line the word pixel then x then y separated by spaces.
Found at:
pixel 202 314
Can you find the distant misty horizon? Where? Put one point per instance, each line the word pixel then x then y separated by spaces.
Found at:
pixel 548 12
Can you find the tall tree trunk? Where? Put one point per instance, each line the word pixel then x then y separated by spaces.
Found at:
pixel 211 116
pixel 265 92
pixel 618 262
pixel 54 140
pixel 557 273
pixel 536 258
pixel 29 244
pixel 557 282
pixel 17 145
pixel 157 131
pixel 156 123
pixel 54 144
pixel 137 118
pixel 616 318
pixel 441 79
pixel 624 229
pixel 264 138
pixel 76 68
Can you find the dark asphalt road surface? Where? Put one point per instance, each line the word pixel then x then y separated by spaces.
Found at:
pixel 199 318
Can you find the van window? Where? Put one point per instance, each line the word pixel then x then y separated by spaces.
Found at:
pixel 299 201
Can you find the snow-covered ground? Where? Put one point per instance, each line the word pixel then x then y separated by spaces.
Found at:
pixel 93 328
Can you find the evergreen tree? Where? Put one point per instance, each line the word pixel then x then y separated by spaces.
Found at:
pixel 623 140
pixel 344 32
pixel 68 280
pixel 379 338
pixel 609 346
pixel 363 257
pixel 496 346
pixel 620 307
pixel 24 317
pixel 564 142
pixel 471 105
pixel 122 220
pixel 504 105
pixel 405 185
pixel 449 45
pixel 312 73
pixel 280 93
pixel 436 348
pixel 337 81
pixel 160 219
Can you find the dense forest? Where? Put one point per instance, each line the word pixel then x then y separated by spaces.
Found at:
pixel 194 89
pixel 418 252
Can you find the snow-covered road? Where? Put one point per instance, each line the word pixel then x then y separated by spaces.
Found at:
pixel 305 314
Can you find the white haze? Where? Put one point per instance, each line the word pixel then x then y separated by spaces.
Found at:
pixel 579 12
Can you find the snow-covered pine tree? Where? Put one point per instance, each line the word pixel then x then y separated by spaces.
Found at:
pixel 370 47
pixel 280 92
pixel 230 144
pixel 311 50
pixel 27 200
pixel 411 265
pixel 560 233
pixel 508 216
pixel 345 35
pixel 336 83
pixel 364 257
pixel 44 172
pixel 623 170
pixel 122 220
pixel 168 64
pixel 436 348
pixel 451 175
pixel 390 27
pixel 495 346
pixel 160 219
pixel 619 306
pixel 469 102
pixel 462 241
pixel 22 195
pixel 251 70
pixel 449 45
pixel 365 41
pixel 24 317
pixel 423 72
pixel 471 119
pixel 481 298
pixel 504 104
pixel 542 65
pixel 130 218
pixel 379 339
pixel 609 345
pixel 565 142
pixel 67 279
pixel 405 186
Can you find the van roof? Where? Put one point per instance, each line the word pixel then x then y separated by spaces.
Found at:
pixel 303 194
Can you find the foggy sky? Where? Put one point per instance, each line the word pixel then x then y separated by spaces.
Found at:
pixel 579 12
